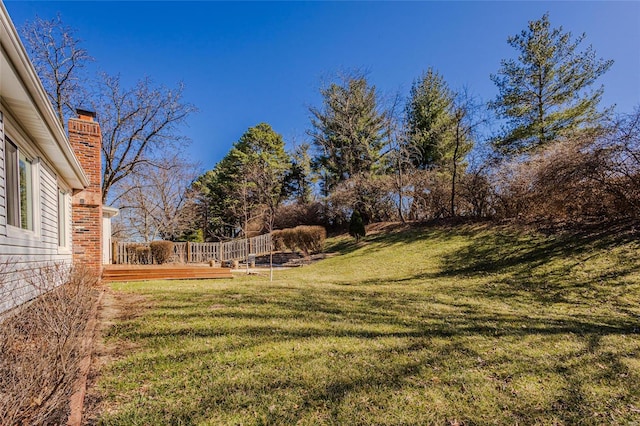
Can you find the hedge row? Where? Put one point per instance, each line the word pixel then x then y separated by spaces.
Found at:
pixel 161 251
pixel 156 252
pixel 307 239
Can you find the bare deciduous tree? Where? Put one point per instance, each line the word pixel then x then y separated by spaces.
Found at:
pixel 156 202
pixel 59 60
pixel 464 124
pixel 136 124
pixel 268 184
pixel 400 155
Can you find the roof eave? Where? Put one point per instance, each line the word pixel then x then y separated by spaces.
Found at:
pixel 26 72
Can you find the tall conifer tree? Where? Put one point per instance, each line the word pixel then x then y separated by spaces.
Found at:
pixel 348 131
pixel 546 93
pixel 429 119
pixel 248 180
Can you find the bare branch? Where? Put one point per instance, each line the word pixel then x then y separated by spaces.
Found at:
pixel 137 123
pixel 59 60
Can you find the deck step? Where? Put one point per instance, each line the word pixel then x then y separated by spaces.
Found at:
pixel 166 272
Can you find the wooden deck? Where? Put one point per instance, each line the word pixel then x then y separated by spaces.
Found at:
pixel 112 273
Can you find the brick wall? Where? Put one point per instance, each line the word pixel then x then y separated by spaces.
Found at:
pixel 86 140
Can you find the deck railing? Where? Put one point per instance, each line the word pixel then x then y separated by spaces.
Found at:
pixel 132 253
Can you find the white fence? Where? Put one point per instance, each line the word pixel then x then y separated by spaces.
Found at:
pixel 129 253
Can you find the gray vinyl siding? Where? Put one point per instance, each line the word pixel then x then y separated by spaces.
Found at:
pixel 28 260
pixel 48 208
pixel 25 277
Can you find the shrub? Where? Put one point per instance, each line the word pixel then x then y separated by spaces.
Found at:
pixel 373 196
pixel 560 183
pixel 289 239
pixel 475 193
pixel 161 251
pixel 41 346
pixel 277 241
pixel 296 214
pixel 132 254
pixel 143 254
pixel 356 225
pixel 138 254
pixel 430 193
pixel 308 239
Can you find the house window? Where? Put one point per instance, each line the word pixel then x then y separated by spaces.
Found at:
pixel 63 218
pixel 19 187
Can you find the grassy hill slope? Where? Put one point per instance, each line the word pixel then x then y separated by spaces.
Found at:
pixel 474 325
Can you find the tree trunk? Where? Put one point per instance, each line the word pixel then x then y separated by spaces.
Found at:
pixel 455 169
pixel 400 192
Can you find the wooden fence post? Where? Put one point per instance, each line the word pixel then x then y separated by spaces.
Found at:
pixel 188 253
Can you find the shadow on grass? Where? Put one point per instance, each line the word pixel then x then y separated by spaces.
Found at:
pixel 416 354
pixel 544 267
pixel 347 245
pixel 325 314
pixel 371 343
pixel 496 252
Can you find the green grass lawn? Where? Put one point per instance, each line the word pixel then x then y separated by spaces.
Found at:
pixel 473 324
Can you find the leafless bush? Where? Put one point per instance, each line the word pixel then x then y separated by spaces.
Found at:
pixel 430 194
pixel 426 195
pixel 539 187
pixel 138 253
pixel 161 251
pixel 283 239
pixel 292 215
pixel 592 175
pixel 308 239
pixel 143 254
pixel 621 175
pixel 372 196
pixel 40 346
pixel 476 193
pixel 277 240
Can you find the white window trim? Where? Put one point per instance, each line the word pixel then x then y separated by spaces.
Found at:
pixel 30 234
pixel 65 249
pixel 18 138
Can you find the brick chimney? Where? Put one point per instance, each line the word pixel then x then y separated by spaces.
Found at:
pixel 86 141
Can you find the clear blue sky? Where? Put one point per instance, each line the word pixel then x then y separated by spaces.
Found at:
pixel 245 63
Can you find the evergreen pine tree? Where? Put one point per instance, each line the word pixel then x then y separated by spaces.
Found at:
pixel 356 226
pixel 348 131
pixel 429 120
pixel 544 94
